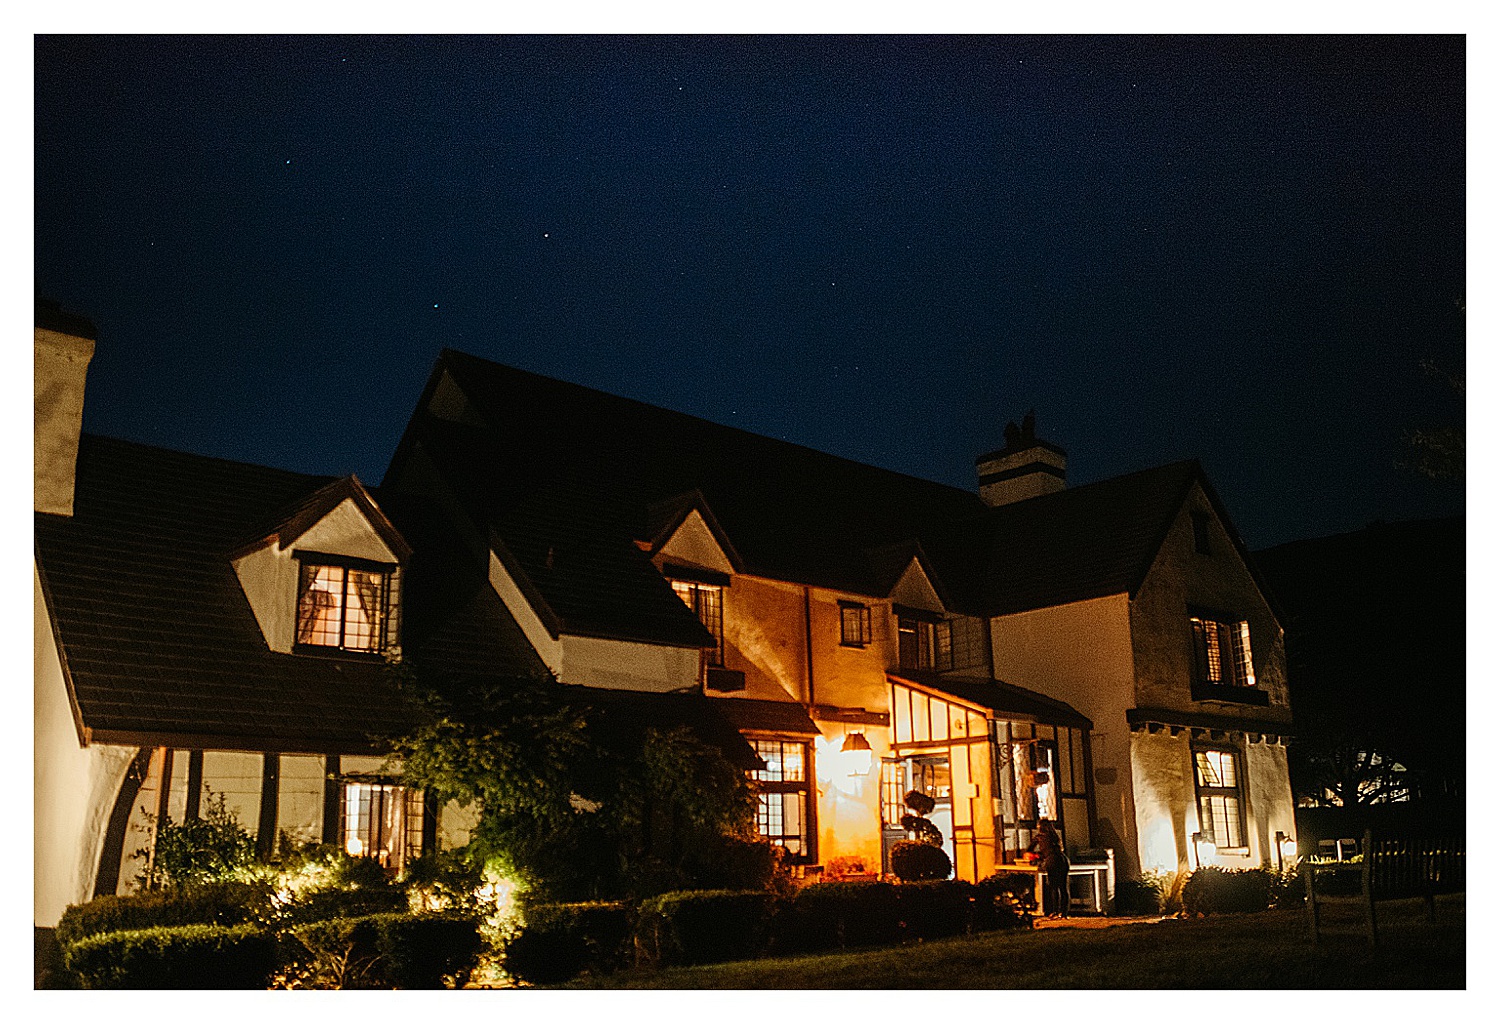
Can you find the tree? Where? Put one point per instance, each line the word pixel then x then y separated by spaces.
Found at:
pixel 573 802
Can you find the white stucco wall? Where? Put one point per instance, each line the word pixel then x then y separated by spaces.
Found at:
pixel 915 590
pixel 268 575
pixel 547 647
pixel 693 543
pixel 74 787
pixel 1081 653
pixel 620 665
pixel 61 367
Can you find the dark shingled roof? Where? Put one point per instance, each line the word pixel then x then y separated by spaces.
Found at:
pixel 570 478
pixel 159 640
pixel 625 715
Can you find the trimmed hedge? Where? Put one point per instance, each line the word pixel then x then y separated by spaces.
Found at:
pixel 935 910
pixel 833 915
pixel 327 904
pixel 219 903
pixel 704 927
pixel 561 940
pixel 195 956
pixel 1137 898
pixel 384 951
pixel 1214 890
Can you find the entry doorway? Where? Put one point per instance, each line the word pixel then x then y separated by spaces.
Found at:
pixel 929 774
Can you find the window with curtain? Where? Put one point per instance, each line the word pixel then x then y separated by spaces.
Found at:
pixel 1221 652
pixel 383 822
pixel 344 608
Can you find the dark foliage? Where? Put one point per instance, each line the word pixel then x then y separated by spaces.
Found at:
pixel 834 915
pixel 1141 898
pixel 561 940
pixel 198 956
pixel 1215 890
pixel 327 904
pixel 935 910
pixel 916 861
pixel 209 848
pixel 703 927
pixel 416 951
pixel 217 903
pixel 1016 889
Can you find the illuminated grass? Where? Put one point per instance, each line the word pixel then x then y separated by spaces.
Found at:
pixel 1268 950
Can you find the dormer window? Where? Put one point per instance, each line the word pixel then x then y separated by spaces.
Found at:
pixel 707 601
pixel 345 605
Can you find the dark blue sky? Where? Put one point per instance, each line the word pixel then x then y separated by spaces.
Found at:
pixel 1235 249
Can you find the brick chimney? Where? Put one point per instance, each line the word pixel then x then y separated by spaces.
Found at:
pixel 1024 468
pixel 64 346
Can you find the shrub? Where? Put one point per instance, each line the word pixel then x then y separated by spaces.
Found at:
pixel 703 927
pixel 382 951
pixel 539 957
pixel 914 861
pixel 219 903
pixel 595 936
pixel 327 904
pixel 934 910
pixel 1138 898
pixel 1015 890
pixel 832 915
pixel 198 956
pixel 1214 890
pixel 213 847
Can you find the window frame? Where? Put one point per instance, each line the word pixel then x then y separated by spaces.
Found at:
pixel 385 633
pixel 1235 667
pixel 369 828
pixel 691 593
pixel 921 631
pixel 779 789
pixel 864 630
pixel 1232 794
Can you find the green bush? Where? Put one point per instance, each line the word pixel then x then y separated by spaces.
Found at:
pixel 382 951
pixel 210 848
pixel 704 927
pixel 545 958
pixel 197 956
pixel 1214 890
pixel 594 936
pixel 1014 890
pixel 913 861
pixel 219 903
pixel 1141 898
pixel 327 904
pixel 934 910
pixel 833 915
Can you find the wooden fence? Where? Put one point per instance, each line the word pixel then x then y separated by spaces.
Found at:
pixel 1385 869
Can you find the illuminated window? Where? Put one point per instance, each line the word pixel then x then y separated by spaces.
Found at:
pixel 1217 775
pixel 914 642
pixel 707 602
pixel 854 624
pixel 1034 764
pixel 344 607
pixel 1221 652
pixel 383 822
pixel 782 814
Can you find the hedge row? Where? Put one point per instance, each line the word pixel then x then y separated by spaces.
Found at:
pixel 559 942
pixel 382 951
pixel 194 956
pixel 219 903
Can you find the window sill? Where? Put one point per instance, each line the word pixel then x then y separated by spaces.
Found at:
pixel 1230 694
pixel 319 651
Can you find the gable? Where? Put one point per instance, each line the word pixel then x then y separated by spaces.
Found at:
pixel 693 543
pixel 915 590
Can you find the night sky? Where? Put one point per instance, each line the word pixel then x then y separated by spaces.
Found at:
pixel 1236 249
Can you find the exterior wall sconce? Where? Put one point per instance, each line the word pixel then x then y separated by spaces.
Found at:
pixel 1199 840
pixel 1286 849
pixel 856 753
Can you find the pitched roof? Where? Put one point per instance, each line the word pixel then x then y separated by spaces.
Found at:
pixel 1005 699
pixel 160 643
pixel 570 477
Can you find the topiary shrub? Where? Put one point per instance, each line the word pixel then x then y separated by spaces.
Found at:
pixel 913 861
pixel 1214 890
pixel 934 910
pixel 710 926
pixel 220 903
pixel 198 956
pixel 833 915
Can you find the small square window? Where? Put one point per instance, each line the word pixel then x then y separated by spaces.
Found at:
pixel 343 607
pixel 854 624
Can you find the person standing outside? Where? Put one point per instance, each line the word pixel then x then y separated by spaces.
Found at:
pixel 1053 863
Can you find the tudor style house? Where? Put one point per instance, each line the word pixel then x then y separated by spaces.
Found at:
pixel 1101 656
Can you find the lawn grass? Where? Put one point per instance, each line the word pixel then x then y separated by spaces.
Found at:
pixel 1239 951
